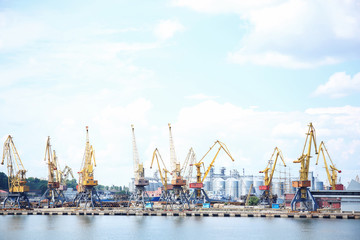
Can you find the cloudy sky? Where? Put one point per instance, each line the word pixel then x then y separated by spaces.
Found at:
pixel 252 74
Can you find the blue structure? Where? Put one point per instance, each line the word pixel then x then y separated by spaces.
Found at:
pixel 307 203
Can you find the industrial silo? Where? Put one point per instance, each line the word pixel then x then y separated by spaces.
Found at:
pixel 240 185
pixel 219 186
pixel 207 185
pixel 232 188
pixel 257 184
pixel 278 188
pixel 319 185
pixel 246 184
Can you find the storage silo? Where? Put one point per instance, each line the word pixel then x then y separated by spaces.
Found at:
pixel 219 186
pixel 278 188
pixel 246 186
pixel 257 184
pixel 207 185
pixel 319 185
pixel 240 185
pixel 232 188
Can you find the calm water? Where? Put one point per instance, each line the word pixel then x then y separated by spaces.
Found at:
pixel 192 228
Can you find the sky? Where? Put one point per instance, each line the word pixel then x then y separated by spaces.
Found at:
pixel 252 74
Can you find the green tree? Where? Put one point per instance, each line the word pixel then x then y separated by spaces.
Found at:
pixel 253 201
pixel 36 184
pixel 3 181
pixel 71 183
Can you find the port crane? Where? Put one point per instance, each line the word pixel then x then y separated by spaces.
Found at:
pixel 178 195
pixel 165 194
pixel 139 197
pixel 53 194
pixel 267 198
pixel 87 193
pixel 303 194
pixel 199 195
pixel 332 177
pixel 17 197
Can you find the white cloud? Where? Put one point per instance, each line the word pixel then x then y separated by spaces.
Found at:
pixel 339 85
pixel 277 60
pixel 18 30
pixel 200 96
pixel 166 29
pixel 291 33
pixel 224 6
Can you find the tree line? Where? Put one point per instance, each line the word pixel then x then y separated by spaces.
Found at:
pixel 39 185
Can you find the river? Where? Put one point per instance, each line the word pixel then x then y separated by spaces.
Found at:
pixel 35 227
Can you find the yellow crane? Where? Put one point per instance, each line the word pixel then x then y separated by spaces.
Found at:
pixel 198 186
pixel 53 194
pixel 267 197
pixel 332 177
pixel 165 195
pixel 139 197
pixel 16 176
pixel 87 193
pixel 303 195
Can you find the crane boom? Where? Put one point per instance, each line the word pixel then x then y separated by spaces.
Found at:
pixel 268 179
pixel 304 159
pixel 157 156
pixel 135 156
pixel 187 167
pixel 173 160
pixel 198 165
pixel 332 177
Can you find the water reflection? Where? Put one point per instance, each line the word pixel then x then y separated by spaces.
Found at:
pixel 148 227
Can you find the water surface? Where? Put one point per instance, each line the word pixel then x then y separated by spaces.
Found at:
pixel 48 227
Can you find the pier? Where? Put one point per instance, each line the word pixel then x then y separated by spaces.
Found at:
pixel 176 213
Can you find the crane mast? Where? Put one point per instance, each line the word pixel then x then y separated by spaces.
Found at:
pixel 332 177
pixel 303 195
pixel 16 176
pixel 139 197
pixel 87 193
pixel 267 197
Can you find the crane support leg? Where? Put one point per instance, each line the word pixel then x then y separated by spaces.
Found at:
pixel 195 198
pixel 165 197
pixel 139 198
pixel 179 197
pixel 17 200
pixel 306 200
pixel 54 198
pixel 88 197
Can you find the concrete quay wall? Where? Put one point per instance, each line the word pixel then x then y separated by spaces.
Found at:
pixel 209 213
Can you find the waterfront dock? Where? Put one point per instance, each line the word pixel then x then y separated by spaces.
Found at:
pixel 200 213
